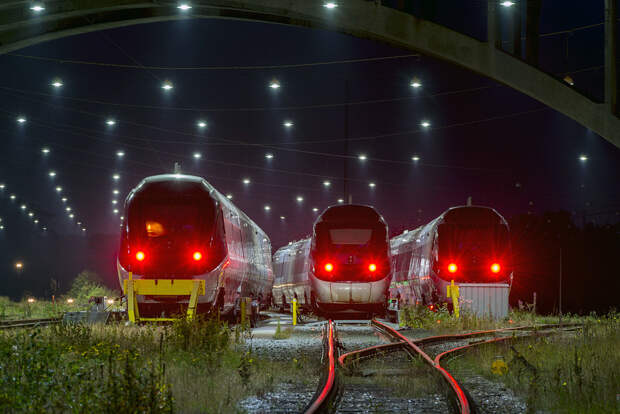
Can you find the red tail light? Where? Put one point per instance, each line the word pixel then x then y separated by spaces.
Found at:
pixel 495 268
pixel 452 268
pixel 140 256
pixel 197 256
pixel 328 267
pixel 372 267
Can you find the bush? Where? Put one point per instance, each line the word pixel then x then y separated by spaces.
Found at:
pixel 88 284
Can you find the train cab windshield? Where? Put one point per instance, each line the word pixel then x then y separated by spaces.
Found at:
pixel 172 232
pixel 474 249
pixel 351 247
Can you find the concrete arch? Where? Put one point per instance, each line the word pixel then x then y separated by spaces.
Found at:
pixel 20 27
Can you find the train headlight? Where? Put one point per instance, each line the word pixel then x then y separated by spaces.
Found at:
pixel 372 267
pixel 452 268
pixel 495 268
pixel 197 256
pixel 329 267
pixel 140 256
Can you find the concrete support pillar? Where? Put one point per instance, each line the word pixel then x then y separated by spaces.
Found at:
pixel 611 91
pixel 493 38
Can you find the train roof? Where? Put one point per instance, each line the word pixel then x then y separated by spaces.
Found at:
pixel 479 214
pixel 350 211
pixel 482 214
pixel 198 182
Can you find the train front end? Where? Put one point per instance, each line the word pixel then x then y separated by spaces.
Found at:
pixel 474 252
pixel 350 261
pixel 172 231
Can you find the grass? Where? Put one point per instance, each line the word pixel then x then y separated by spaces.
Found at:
pixel 10 310
pixel 568 373
pixel 188 367
pixel 413 377
pixel 440 320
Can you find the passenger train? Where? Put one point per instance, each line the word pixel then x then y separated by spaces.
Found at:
pixel 469 245
pixel 178 226
pixel 344 266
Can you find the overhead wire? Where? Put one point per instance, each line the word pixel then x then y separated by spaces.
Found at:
pixel 215 68
pixel 277 147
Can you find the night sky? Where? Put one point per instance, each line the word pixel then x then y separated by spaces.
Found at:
pixel 487 141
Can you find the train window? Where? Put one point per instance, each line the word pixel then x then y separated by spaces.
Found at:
pixel 154 229
pixel 350 236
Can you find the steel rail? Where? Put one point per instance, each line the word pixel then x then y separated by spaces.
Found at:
pixel 29 323
pixel 328 386
pixel 415 350
pixel 369 352
pixel 395 346
pixel 462 348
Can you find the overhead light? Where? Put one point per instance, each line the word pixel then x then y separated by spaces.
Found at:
pixel 2 186
pixel 372 185
pixel 330 5
pixel 184 6
pixel 246 181
pixel 229 196
pixel 340 201
pixel 115 211
pixel 269 156
pixel 21 119
pixel 201 124
pixel 327 183
pixel 71 215
pixel 583 157
pixel 23 207
pixel 114 202
pixel 115 192
pixel 31 214
pixel 116 177
pixel 507 3
pixel 110 122
pixel 83 229
pixel 64 199
pixel 57 83
pixel 197 155
pixel 267 207
pixel 288 124
pixel 58 189
pixel 37 7
pixel 315 209
pixel 300 199
pixel 45 150
pixel 415 83
pixel 282 218
pixel 425 124
pixel 52 173
pixel 13 197
pixel 415 158
pixel 167 85
pixel 36 222
pixel 274 84
pixel 120 154
pixel 68 209
pixel 362 157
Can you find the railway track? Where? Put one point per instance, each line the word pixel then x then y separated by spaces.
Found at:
pixel 29 323
pixel 337 388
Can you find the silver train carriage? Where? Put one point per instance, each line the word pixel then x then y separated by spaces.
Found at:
pixel 469 245
pixel 344 266
pixel 178 226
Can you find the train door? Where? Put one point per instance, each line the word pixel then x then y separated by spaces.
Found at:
pixel 235 255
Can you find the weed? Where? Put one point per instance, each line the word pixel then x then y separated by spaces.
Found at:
pixel 570 373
